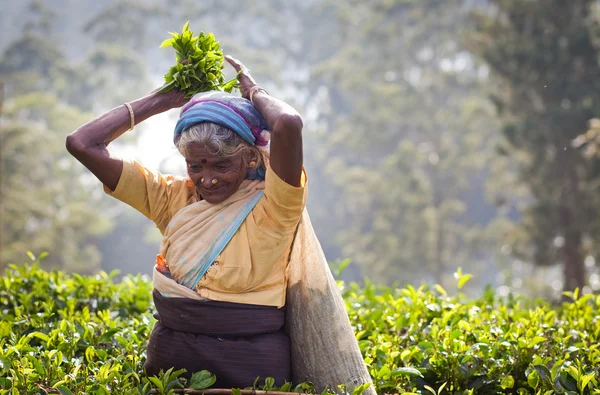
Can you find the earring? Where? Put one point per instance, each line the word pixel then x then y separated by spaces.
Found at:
pixel 252 164
pixel 214 181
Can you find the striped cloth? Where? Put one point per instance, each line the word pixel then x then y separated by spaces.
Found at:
pixel 232 112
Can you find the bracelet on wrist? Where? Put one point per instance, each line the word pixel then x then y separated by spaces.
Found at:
pixel 131 116
pixel 255 89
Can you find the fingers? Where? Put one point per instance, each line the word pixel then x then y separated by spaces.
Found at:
pixel 244 76
pixel 237 65
pixel 234 62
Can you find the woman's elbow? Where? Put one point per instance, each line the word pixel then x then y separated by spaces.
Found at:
pixel 289 123
pixel 74 144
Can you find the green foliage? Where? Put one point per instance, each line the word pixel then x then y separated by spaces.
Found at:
pixel 421 340
pixel 72 333
pixel 83 334
pixel 201 380
pixel 199 64
pixel 78 334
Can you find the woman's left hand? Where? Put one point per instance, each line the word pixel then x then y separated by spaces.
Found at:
pixel 244 76
pixel 171 99
pixel 284 123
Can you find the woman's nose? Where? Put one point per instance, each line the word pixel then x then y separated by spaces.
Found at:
pixel 208 181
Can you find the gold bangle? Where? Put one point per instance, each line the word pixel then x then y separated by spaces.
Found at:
pixel 131 116
pixel 255 89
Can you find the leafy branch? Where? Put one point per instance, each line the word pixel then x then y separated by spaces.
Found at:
pixel 199 64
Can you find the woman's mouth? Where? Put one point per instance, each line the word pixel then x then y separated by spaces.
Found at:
pixel 212 191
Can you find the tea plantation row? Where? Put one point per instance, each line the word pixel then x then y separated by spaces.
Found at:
pixel 67 334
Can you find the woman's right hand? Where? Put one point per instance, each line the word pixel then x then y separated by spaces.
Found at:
pixel 171 99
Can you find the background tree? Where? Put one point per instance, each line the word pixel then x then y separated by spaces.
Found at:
pixel 401 145
pixel 545 64
pixel 45 208
pixel 48 204
pixel 406 140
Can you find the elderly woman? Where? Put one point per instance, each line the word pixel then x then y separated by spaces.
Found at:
pixel 235 244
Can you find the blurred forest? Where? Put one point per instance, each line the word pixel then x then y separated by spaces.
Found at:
pixel 438 133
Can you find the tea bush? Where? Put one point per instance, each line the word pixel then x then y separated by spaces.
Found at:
pixel 67 334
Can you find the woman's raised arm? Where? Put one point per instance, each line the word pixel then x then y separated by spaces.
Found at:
pixel 286 127
pixel 89 142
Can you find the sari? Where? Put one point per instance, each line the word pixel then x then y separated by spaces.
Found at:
pixel 323 346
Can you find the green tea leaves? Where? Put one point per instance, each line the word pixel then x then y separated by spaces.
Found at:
pixel 360 389
pixel 584 381
pixel 461 278
pixel 199 64
pixel 43 337
pixel 88 334
pixel 63 390
pixel 507 382
pixel 544 373
pixel 157 383
pixel 167 43
pixel 202 380
pixel 535 341
pixel 408 371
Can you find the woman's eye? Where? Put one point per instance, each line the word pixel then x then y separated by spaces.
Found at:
pixel 221 166
pixel 194 168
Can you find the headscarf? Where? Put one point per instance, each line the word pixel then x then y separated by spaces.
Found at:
pixel 225 109
pixel 233 112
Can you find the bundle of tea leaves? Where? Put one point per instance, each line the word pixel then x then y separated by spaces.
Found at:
pixel 199 64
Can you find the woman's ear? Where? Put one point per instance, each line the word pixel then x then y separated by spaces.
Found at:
pixel 255 165
pixel 252 160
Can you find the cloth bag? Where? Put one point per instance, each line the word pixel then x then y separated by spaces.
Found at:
pixel 324 347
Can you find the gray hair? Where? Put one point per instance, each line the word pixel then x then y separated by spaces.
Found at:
pixel 219 140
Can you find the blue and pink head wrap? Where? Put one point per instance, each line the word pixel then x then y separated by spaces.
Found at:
pixel 232 112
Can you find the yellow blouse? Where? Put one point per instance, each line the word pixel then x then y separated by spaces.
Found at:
pixel 252 267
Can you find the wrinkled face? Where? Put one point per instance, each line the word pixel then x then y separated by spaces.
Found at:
pixel 203 168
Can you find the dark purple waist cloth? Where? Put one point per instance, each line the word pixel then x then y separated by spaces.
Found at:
pixel 236 342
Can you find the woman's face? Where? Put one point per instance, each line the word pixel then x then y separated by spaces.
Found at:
pixel 204 167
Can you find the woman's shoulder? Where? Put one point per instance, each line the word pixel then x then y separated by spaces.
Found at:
pixel 184 192
pixel 276 185
pixel 283 203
